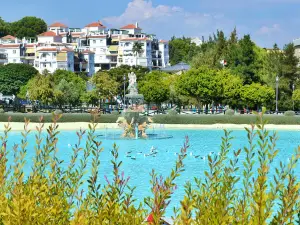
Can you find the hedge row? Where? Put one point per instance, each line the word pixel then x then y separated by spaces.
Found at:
pixel 47 117
pixel 161 119
pixel 224 119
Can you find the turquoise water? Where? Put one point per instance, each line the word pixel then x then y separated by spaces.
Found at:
pixel 202 142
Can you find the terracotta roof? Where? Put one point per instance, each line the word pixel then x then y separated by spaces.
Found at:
pixel 135 39
pixel 9 37
pixel 47 50
pixel 131 26
pixel 87 52
pixel 163 41
pixel 67 50
pixel 48 34
pixel 10 46
pixel 96 24
pixel 58 25
pixel 98 36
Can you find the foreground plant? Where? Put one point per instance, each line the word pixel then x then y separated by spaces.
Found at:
pixel 245 193
pixel 253 191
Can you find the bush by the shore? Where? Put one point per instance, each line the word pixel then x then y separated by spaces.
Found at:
pixel 161 119
pixel 224 119
pixel 47 117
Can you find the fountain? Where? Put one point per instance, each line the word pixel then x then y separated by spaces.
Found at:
pixel 132 121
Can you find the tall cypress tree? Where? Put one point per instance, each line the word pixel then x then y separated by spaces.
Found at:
pixel 246 65
pixel 290 63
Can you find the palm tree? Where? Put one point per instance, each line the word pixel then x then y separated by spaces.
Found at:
pixel 137 49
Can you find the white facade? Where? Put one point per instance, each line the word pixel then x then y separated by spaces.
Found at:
pixel 89 49
pixel 51 59
pixel 164 51
pixel 296 43
pixel 10 53
pixel 49 37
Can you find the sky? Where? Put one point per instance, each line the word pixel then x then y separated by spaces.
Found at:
pixel 267 21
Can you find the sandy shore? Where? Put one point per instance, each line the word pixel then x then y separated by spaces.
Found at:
pixel 77 126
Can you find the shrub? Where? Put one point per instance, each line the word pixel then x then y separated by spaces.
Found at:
pixel 222 119
pixel 172 112
pixel 229 112
pixel 49 192
pixel 115 113
pixel 66 118
pixel 2 110
pixel 289 113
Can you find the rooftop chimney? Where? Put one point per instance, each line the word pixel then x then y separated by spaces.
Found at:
pixel 136 25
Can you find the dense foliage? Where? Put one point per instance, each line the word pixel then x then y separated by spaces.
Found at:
pixel 60 88
pixel 181 50
pixel 255 66
pixel 28 27
pixel 13 76
pixel 52 191
pixel 154 88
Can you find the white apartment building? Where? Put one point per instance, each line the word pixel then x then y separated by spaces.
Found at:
pixel 296 43
pixel 47 53
pixel 89 49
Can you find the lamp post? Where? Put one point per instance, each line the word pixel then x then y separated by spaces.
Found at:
pixel 293 99
pixel 277 81
pixel 124 79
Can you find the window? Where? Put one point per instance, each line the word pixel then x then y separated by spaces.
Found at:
pixel 148 44
pixel 14 51
pixel 94 41
pixel 45 65
pixel 97 65
pixel 69 65
pixel 120 60
pixel 94 50
pixel 126 60
pixel 165 46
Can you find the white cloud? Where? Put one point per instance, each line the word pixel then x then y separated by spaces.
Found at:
pixel 165 20
pixel 269 30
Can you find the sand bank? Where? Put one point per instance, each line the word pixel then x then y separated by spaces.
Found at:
pixel 83 125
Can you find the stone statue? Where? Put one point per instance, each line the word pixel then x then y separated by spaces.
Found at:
pixel 132 83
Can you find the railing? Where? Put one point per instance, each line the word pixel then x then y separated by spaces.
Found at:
pixel 87 109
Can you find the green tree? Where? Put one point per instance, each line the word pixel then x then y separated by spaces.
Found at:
pixel 4 28
pixel 181 50
pixel 14 76
pixel 230 87
pixel 199 84
pixel 41 88
pixel 155 88
pixel 137 48
pixel 246 66
pixel 75 82
pixel 67 93
pixel 256 95
pixel 290 63
pixel 105 86
pixel 28 27
pixel 296 98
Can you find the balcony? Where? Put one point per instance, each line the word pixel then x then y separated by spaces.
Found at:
pixel 3 58
pixel 156 56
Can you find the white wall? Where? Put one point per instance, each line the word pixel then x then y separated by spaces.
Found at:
pixel 13 55
pixel 46 39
